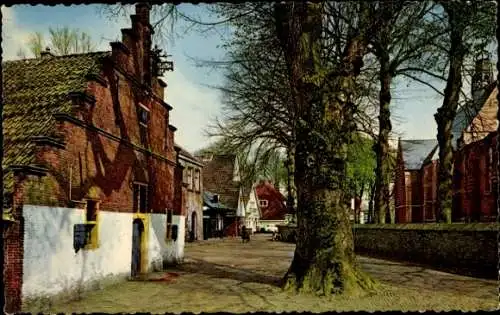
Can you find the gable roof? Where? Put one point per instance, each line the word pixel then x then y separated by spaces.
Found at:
pixel 466 114
pixel 218 178
pixel 416 152
pixel 34 90
pixel 276 208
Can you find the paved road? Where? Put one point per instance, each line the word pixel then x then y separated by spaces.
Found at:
pixel 228 276
pixel 267 261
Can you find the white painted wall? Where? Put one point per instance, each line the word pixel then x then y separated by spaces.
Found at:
pixel 240 211
pixel 270 225
pixel 175 252
pixel 252 216
pixel 52 266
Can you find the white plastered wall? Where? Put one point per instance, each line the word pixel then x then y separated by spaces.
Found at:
pixel 51 265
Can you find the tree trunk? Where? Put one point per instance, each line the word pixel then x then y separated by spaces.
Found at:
pixel 371 207
pixel 498 110
pixel 382 194
pixel 446 114
pixel 324 261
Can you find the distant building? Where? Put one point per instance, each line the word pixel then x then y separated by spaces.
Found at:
pixel 474 174
pixel 221 178
pixel 271 205
pixel 192 193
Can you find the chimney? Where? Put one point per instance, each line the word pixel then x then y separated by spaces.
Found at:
pixel 142 10
pixel 46 53
pixel 483 76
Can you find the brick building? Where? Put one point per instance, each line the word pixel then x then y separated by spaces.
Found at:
pixel 192 194
pixel 223 193
pixel 416 162
pixel 271 205
pixel 90 168
pixel 474 174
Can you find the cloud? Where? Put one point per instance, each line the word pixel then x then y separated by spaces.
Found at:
pixel 194 108
pixel 14 36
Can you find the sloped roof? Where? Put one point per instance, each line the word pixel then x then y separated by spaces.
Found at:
pixel 208 201
pixel 276 208
pixel 185 153
pixel 218 178
pixel 34 90
pixel 466 114
pixel 415 152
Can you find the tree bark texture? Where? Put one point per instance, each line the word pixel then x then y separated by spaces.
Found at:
pixel 446 114
pixel 383 169
pixel 324 260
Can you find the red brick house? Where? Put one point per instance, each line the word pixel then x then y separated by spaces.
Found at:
pixel 92 180
pixel 474 177
pixel 271 205
pixel 416 161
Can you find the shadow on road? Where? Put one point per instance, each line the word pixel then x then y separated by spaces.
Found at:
pixel 193 265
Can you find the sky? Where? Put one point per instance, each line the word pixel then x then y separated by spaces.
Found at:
pixel 195 105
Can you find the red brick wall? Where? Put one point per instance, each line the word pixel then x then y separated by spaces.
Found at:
pixel 475 181
pixel 429 182
pixel 100 152
pixel 474 186
pixel 95 159
pixel 13 237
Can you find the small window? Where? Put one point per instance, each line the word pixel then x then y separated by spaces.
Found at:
pixel 140 197
pixel 190 178
pixel 166 132
pixel 489 181
pixel 263 203
pixel 143 114
pixel 197 180
pixel 170 214
pixel 91 212
pixel 91 224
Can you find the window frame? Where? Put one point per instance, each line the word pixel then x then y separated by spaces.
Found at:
pixel 489 180
pixel 197 180
pixel 168 230
pixel 144 126
pixel 167 128
pixel 92 225
pixel 266 203
pixel 190 178
pixel 136 197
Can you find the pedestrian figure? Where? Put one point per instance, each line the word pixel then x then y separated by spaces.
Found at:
pixel 274 236
pixel 245 236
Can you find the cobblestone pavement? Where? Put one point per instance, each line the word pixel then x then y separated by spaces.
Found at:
pixel 229 276
pixel 263 255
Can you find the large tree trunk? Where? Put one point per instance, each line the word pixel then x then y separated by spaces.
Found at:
pixel 324 260
pixel 446 114
pixel 498 110
pixel 383 169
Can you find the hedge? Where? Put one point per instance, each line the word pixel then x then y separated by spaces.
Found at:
pixel 465 248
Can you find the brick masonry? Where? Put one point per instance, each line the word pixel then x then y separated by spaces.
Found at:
pixel 469 249
pixel 474 186
pixel 466 251
pixel 103 154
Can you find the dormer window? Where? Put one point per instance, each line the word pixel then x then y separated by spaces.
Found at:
pixel 215 198
pixel 263 203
